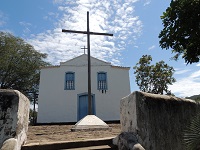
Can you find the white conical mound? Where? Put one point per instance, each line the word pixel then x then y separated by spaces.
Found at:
pixel 90 122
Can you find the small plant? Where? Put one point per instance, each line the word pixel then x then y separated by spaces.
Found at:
pixel 32 116
pixel 192 134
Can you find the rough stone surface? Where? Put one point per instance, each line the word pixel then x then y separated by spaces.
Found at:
pixel 14 115
pixel 10 144
pixel 138 147
pixel 158 120
pixel 128 140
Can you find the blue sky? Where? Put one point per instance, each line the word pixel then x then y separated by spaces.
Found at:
pixel 135 24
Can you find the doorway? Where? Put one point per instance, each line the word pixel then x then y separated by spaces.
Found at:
pixel 83 105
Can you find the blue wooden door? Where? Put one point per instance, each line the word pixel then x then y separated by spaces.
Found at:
pixel 83 106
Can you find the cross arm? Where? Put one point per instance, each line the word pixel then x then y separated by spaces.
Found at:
pixel 85 32
pixel 73 31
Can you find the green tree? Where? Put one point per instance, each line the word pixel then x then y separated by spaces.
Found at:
pixel 153 78
pixel 32 116
pixel 19 64
pixel 191 135
pixel 181 31
pixel 195 98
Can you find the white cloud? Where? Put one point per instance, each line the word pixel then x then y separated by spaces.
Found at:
pixel 198 65
pixel 51 16
pixel 58 1
pixel 187 86
pixel 3 19
pixel 177 71
pixel 26 26
pixel 147 2
pixel 152 47
pixel 105 16
pixel 195 74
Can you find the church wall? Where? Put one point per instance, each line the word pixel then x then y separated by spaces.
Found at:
pixel 59 105
pixel 118 87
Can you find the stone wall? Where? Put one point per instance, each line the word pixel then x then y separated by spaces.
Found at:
pixel 158 120
pixel 14 116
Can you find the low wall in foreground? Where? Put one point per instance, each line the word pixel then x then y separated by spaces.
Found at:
pixel 14 116
pixel 157 120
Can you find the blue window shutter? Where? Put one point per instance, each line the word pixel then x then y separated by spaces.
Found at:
pixel 102 81
pixel 69 81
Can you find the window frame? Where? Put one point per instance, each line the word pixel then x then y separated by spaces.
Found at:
pixel 106 81
pixel 73 81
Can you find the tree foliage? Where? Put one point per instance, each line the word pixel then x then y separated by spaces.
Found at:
pixel 153 78
pixel 195 98
pixel 19 64
pixel 191 135
pixel 181 30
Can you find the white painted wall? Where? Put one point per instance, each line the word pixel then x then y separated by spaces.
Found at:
pixel 59 105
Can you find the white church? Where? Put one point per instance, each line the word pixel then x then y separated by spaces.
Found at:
pixel 63 90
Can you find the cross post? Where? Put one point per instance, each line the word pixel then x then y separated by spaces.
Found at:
pixel 89 63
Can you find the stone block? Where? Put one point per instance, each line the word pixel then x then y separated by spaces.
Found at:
pixel 158 120
pixel 14 117
pixel 127 140
pixel 10 144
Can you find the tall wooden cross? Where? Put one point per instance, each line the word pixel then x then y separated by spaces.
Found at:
pixel 89 65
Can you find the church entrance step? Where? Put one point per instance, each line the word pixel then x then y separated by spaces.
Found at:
pixel 103 143
pixel 103 147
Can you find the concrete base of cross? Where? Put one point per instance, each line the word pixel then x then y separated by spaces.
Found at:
pixel 90 123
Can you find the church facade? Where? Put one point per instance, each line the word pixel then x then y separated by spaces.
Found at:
pixel 63 90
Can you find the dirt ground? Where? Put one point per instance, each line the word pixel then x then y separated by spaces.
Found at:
pixel 53 133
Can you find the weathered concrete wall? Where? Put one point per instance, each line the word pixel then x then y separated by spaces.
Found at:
pixel 14 115
pixel 158 120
